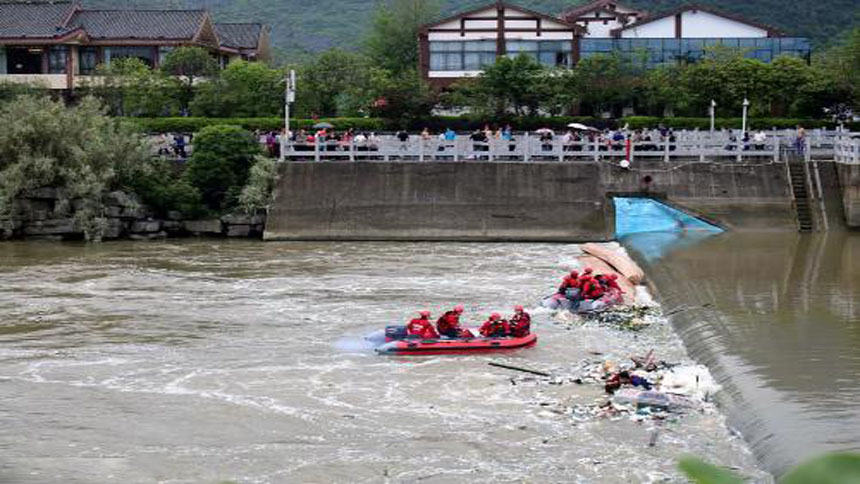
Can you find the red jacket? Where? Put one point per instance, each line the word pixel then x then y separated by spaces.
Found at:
pixel 520 325
pixel 492 328
pixel 449 323
pixel 593 290
pixel 422 328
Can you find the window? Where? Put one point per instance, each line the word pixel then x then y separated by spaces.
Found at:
pixel 144 53
pixel 162 53
pixel 88 59
pixel 57 57
pixel 472 55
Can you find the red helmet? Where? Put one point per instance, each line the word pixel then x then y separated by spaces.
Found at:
pixel 613 276
pixel 424 314
pixel 458 308
pixel 495 316
pixel 519 308
pixel 589 270
pixel 574 274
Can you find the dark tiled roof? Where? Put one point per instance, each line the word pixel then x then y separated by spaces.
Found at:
pixel 34 19
pixel 239 36
pixel 572 13
pixel 139 24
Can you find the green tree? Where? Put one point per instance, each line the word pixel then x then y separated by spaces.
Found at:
pixel 392 42
pixel 660 94
pixel 129 87
pixel 244 89
pixel 188 64
pixel 786 79
pixel 402 97
pixel 605 83
pixel 842 64
pixel 77 149
pixel 324 82
pixel 219 166
pixel 508 86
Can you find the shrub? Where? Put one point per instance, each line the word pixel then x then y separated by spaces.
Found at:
pixel 637 122
pixel 219 166
pixel 194 124
pixel 79 149
pixel 257 193
pixel 164 189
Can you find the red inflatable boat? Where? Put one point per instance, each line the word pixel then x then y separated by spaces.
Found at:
pixel 416 346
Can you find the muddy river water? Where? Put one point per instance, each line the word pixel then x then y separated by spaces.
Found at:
pixel 211 361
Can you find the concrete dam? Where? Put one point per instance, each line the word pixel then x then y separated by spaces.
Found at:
pixel 545 201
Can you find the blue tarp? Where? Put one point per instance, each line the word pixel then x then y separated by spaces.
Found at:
pixel 653 228
pixel 638 215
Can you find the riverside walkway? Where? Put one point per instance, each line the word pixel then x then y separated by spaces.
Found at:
pixel 686 146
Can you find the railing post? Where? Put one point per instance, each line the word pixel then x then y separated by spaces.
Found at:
pixel 666 150
pixel 526 146
pixel 776 141
pixel 421 142
pixel 595 148
pixel 316 148
pixel 352 150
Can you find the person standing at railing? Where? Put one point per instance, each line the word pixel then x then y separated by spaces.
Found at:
pixel 759 139
pixel 479 140
pixel 800 140
pixel 403 137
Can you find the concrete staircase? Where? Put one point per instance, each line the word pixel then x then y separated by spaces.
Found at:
pixel 800 189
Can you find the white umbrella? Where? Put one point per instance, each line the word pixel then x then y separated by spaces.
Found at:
pixel 544 130
pixel 581 127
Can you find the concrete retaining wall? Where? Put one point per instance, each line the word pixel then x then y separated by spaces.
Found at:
pixel 849 179
pixel 439 201
pixel 734 196
pixel 510 201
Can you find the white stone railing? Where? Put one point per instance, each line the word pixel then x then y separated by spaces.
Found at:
pixel 687 146
pixel 847 148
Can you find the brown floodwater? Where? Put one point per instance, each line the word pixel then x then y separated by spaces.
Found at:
pixel 215 360
pixel 780 331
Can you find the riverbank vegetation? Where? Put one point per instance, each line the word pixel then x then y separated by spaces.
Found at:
pixel 82 155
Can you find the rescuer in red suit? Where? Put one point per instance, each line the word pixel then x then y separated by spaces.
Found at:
pixel 495 327
pixel 422 327
pixel 520 323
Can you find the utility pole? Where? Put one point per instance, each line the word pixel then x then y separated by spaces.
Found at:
pixel 289 98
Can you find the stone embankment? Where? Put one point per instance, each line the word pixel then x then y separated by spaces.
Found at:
pixel 47 215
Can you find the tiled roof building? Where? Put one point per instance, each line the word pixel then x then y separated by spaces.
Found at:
pixel 54 42
pixel 462 45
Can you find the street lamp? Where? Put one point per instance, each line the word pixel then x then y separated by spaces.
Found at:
pixel 289 98
pixel 713 111
pixel 744 122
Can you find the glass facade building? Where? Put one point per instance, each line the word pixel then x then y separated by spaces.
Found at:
pixel 474 55
pixel 659 51
pixel 469 55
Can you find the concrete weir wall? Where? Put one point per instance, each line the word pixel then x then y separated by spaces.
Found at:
pixel 530 201
pixel 439 201
pixel 849 179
